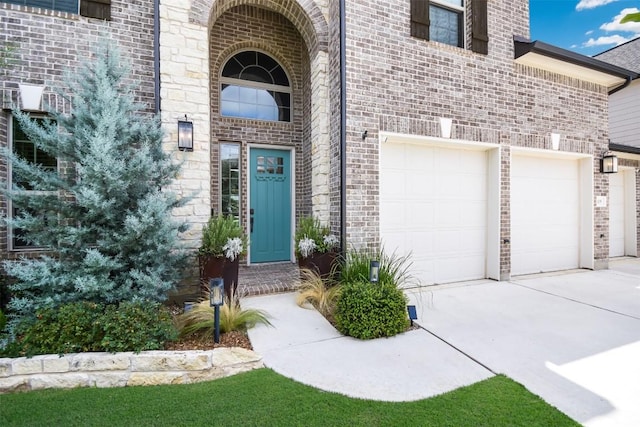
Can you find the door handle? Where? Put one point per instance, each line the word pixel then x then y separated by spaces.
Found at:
pixel 251 220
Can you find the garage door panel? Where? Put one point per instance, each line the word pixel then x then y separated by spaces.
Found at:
pixel 421 242
pixel 419 188
pixel 545 214
pixel 445 227
pixel 395 214
pixel 394 184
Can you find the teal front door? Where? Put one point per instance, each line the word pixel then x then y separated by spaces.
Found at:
pixel 270 205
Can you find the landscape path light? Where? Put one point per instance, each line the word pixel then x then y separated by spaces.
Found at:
pixel 216 299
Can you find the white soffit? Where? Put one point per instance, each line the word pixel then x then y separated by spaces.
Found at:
pixel 569 69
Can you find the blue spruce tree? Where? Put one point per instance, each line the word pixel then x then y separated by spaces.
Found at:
pixel 104 214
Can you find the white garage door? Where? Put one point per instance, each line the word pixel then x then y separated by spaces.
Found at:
pixel 545 214
pixel 433 204
pixel 616 214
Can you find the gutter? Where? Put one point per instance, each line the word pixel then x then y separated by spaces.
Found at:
pixel 624 148
pixel 343 131
pixel 156 54
pixel 625 84
pixel 523 46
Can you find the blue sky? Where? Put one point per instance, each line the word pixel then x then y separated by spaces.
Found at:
pixel 583 26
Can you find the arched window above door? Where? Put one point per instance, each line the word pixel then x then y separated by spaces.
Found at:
pixel 253 85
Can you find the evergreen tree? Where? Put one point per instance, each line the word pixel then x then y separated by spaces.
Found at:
pixel 104 212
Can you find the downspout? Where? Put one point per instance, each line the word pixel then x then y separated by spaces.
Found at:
pixel 156 53
pixel 343 131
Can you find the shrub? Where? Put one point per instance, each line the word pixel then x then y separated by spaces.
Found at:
pixel 87 326
pixel 217 233
pixel 394 269
pixel 314 290
pixel 199 320
pixel 136 327
pixel 311 236
pixel 112 237
pixel 71 328
pixel 367 311
pixel 3 322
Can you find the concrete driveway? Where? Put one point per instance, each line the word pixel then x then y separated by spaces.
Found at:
pixel 572 338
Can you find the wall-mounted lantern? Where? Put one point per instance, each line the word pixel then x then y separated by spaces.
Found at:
pixel 185 135
pixel 609 163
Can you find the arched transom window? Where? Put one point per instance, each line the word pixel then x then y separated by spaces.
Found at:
pixel 255 86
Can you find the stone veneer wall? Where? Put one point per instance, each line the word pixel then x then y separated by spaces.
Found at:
pixel 49 44
pixel 123 369
pixel 398 83
pixel 184 82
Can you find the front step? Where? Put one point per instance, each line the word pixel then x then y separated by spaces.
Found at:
pixel 268 278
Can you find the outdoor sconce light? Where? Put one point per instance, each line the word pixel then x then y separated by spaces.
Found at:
pixel 365 134
pixel 413 313
pixel 185 135
pixel 555 141
pixel 374 271
pixel 216 299
pixel 609 163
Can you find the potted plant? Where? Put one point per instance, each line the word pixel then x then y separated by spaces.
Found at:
pixel 316 248
pixel 223 243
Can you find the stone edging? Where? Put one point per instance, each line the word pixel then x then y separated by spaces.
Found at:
pixel 123 369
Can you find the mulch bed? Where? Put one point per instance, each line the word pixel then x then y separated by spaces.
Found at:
pixel 229 339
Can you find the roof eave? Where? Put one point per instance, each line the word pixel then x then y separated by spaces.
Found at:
pixel 523 46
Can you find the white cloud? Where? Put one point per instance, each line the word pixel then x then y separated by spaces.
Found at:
pixel 588 33
pixel 615 25
pixel 605 41
pixel 592 4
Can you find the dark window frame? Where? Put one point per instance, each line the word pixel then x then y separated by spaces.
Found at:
pixel 99 9
pixel 14 237
pixel 421 21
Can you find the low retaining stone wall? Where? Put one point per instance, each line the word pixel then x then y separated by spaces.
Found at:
pixel 123 369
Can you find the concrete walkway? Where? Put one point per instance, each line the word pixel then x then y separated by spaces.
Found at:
pixel 572 338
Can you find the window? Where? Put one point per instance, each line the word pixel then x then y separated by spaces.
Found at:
pixel 255 86
pixel 230 179
pixel 100 9
pixel 447 24
pixel 444 21
pixel 23 147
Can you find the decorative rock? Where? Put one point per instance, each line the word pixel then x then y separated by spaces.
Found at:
pixel 208 375
pixel 124 369
pixel 100 361
pixel 155 378
pixel 68 380
pixel 233 356
pixel 149 361
pixel 15 383
pixel 51 365
pixel 109 379
pixel 25 366
pixel 5 367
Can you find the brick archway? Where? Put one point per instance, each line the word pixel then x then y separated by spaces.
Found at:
pixel 304 14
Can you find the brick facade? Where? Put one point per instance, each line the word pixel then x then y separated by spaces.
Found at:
pixel 395 83
pixel 49 44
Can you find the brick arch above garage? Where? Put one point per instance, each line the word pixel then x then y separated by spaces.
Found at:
pixel 305 15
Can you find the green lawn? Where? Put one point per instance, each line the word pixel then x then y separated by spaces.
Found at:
pixel 264 398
